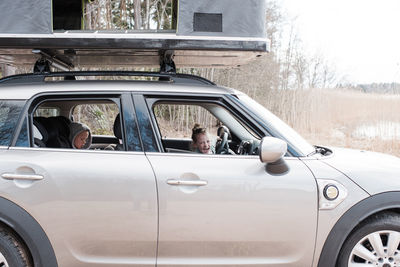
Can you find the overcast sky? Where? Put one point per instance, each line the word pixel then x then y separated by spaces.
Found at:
pixel 361 37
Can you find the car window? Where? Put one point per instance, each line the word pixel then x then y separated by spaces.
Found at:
pixel 177 120
pixel 47 112
pixel 99 117
pixel 288 134
pixel 9 115
pixel 94 124
pixel 181 124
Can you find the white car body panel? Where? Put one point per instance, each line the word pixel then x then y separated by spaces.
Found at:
pixel 244 216
pixel 328 218
pixel 96 207
pixel 375 172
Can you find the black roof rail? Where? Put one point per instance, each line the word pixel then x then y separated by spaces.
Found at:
pixel 70 75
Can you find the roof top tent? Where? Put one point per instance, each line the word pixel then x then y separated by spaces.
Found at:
pixel 204 33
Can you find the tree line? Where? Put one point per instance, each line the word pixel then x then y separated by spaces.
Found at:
pixel 287 67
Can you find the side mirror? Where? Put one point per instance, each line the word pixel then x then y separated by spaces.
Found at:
pixel 272 149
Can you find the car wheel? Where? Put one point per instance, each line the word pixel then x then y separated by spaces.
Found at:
pixel 12 251
pixel 375 243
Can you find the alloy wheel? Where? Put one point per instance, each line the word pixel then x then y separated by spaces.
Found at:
pixel 3 261
pixel 380 249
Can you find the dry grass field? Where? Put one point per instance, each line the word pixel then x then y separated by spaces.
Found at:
pixel 340 117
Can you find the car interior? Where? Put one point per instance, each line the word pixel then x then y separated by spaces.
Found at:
pixel 51 121
pixel 228 134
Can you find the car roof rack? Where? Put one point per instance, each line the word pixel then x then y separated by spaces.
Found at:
pixel 49 58
pixel 71 75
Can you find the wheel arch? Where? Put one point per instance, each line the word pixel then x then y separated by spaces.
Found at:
pixel 389 201
pixel 29 231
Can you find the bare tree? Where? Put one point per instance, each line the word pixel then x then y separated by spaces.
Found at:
pixel 329 76
pixel 274 21
pixel 137 14
pixel 314 75
pixel 300 67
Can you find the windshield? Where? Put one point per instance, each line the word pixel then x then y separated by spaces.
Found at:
pixel 284 130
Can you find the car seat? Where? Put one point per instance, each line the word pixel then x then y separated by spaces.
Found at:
pixel 40 135
pixel 57 129
pixel 118 132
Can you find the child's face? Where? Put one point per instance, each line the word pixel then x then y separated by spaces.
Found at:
pixel 203 143
pixel 80 139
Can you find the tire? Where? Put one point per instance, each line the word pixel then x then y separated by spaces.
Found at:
pixel 376 242
pixel 12 251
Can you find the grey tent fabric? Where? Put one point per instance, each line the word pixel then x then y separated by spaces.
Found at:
pixel 235 18
pixel 25 16
pixel 225 18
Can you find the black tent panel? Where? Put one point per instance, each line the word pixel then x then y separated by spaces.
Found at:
pixel 67 15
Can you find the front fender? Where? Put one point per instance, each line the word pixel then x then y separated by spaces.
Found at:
pixel 30 231
pixel 350 219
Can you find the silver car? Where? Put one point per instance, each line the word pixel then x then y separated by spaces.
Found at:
pixel 141 197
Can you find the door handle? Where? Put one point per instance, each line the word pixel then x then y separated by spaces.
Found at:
pixel 16 176
pixel 185 182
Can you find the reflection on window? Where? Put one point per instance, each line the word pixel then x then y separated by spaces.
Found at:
pixel 148 139
pixel 132 134
pixel 23 140
pixel 9 114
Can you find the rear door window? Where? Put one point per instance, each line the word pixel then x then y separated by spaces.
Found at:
pixel 9 114
pixel 104 122
pixel 53 121
pixel 47 112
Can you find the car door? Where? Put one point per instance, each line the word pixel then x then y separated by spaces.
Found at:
pixel 98 207
pixel 233 210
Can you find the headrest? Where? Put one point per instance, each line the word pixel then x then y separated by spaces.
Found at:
pixel 40 134
pixel 117 127
pixel 57 129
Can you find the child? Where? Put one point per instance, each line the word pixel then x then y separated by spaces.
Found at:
pixel 80 136
pixel 200 140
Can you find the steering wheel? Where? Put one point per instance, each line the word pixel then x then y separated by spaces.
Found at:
pixel 222 146
pixel 246 147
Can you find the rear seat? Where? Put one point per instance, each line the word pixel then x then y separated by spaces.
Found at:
pixel 57 130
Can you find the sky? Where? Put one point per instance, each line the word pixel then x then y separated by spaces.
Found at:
pixel 360 37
